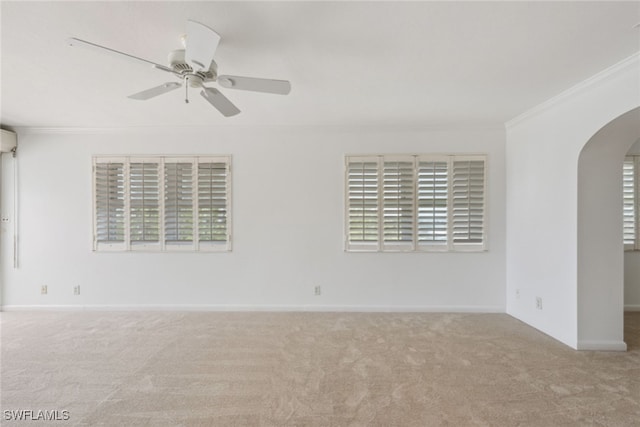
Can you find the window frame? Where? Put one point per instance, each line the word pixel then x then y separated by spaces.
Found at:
pixel 194 245
pixel 415 246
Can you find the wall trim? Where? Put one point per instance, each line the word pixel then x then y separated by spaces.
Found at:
pixel 601 77
pixel 632 307
pixel 152 130
pixel 257 308
pixel 602 345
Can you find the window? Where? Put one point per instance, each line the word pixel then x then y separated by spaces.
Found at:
pixel 162 203
pixel 629 202
pixel 415 203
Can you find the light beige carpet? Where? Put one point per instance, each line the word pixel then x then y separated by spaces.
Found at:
pixel 309 369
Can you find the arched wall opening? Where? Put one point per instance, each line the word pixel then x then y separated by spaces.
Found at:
pixel 632 260
pixel 543 153
pixel 600 244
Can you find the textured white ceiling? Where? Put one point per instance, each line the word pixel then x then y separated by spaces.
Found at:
pixel 349 63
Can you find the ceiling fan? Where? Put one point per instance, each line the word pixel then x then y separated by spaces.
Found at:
pixel 194 66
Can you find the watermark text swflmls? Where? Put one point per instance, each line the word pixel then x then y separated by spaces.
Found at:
pixel 36 415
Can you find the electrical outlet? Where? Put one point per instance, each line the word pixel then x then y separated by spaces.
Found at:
pixel 317 290
pixel 539 303
pixel 43 290
pixel 76 290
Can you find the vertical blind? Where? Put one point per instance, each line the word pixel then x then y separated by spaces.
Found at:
pixel 416 202
pixel 162 203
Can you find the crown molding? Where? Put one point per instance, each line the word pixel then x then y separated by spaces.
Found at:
pixel 150 130
pixel 597 79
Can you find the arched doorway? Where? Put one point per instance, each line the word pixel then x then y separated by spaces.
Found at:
pixel 600 244
pixel 632 257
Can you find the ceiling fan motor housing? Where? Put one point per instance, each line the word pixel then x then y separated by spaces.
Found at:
pixel 178 63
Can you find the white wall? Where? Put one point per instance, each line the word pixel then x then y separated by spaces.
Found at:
pixel 542 153
pixel 288 198
pixel 632 266
pixel 632 281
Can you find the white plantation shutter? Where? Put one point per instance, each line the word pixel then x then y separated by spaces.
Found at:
pixel 212 203
pixel 144 204
pixel 397 203
pixel 433 194
pixel 159 203
pixel 415 203
pixel 178 203
pixel 109 205
pixel 362 203
pixel 468 202
pixel 629 200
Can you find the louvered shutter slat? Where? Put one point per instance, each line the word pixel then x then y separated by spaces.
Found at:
pixel 362 188
pixel 144 201
pixel 397 203
pixel 432 191
pixel 212 202
pixel 178 203
pixel 109 195
pixel 629 202
pixel 468 201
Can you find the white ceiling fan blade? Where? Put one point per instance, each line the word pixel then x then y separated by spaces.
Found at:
pixel 78 42
pixel 155 91
pixel 201 45
pixel 219 101
pixel 280 87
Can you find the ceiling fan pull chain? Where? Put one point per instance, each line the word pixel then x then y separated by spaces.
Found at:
pixel 186 91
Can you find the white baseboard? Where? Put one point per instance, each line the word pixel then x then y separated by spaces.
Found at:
pixel 267 308
pixel 602 345
pixel 632 307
